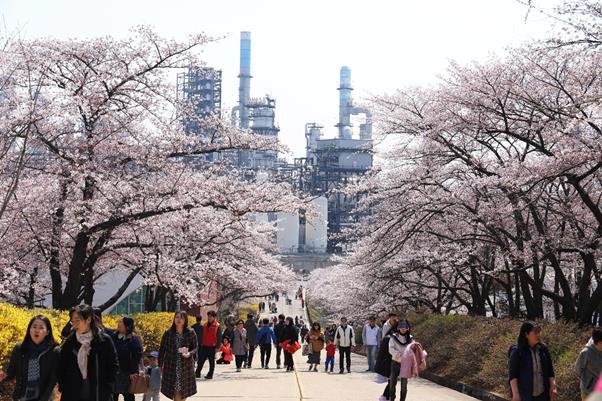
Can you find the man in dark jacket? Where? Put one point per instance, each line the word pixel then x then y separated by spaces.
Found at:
pixel 279 331
pixel 251 328
pixel 209 339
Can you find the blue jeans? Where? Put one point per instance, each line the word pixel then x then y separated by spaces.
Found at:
pixel 372 350
pixel 330 360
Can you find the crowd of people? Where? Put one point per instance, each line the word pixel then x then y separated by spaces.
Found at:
pixel 96 363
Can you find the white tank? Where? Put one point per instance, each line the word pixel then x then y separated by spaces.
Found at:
pixel 287 235
pixel 316 228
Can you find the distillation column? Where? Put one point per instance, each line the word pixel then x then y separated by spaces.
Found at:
pixel 244 90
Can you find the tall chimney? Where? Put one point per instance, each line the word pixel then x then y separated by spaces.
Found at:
pixel 244 90
pixel 345 104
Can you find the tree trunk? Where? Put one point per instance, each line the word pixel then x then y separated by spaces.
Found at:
pixel 31 295
pixel 54 262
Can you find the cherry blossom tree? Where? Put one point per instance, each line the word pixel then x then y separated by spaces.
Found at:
pixel 110 179
pixel 490 200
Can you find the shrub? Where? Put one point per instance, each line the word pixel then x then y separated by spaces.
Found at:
pixel 474 350
pixel 244 310
pixel 13 320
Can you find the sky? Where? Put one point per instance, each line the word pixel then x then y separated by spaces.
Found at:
pixel 299 47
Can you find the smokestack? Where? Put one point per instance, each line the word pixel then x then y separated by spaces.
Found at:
pixel 345 104
pixel 244 90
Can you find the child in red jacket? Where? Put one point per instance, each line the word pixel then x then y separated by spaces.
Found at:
pixel 330 350
pixel 226 351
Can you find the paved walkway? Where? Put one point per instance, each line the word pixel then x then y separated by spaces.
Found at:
pixel 275 384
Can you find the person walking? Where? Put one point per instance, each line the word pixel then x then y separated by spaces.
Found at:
pixel 383 360
pixel 229 330
pixel 279 331
pixel 407 358
pixel 265 337
pixel 371 336
pixel 303 330
pixel 88 363
pixel 344 339
pixel 68 328
pixel 251 328
pixel 315 337
pixel 330 351
pixel 33 363
pixel 329 332
pixel 530 368
pixel 589 363
pixel 153 393
pixel 239 344
pixel 290 336
pixel 210 339
pixel 129 353
pixel 177 352
pixel 390 323
pixel 197 327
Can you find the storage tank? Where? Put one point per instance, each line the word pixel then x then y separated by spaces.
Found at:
pixel 287 235
pixel 316 228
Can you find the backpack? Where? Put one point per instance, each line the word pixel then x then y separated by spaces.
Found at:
pixel 263 336
pixel 511 348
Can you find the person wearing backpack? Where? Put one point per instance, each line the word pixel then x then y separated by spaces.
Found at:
pixel 589 363
pixel 344 340
pixel 530 369
pixel 265 338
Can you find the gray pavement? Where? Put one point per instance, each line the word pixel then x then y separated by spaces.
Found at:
pixel 275 384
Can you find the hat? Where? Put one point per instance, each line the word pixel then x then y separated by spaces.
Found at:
pixel 153 354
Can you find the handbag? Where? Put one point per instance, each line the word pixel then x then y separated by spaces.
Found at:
pixel 139 383
pixel 305 350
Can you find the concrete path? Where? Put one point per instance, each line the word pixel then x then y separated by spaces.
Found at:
pixel 275 384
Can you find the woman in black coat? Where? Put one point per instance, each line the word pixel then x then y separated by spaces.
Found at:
pixel 383 359
pixel 129 353
pixel 88 362
pixel 33 363
pixel 289 333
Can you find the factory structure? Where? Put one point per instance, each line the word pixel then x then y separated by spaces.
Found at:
pixel 328 165
pixel 305 241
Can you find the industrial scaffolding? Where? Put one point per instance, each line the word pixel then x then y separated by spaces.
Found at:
pixel 202 86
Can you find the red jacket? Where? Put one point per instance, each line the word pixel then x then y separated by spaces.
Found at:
pixel 226 352
pixel 210 334
pixel 330 349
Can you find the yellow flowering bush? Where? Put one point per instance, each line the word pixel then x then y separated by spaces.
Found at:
pixel 244 310
pixel 14 320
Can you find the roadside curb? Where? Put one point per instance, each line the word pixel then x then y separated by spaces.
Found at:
pixel 462 388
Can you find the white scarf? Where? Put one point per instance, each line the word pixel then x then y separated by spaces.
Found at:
pixel 82 355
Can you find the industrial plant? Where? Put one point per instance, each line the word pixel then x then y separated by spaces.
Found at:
pixel 328 165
